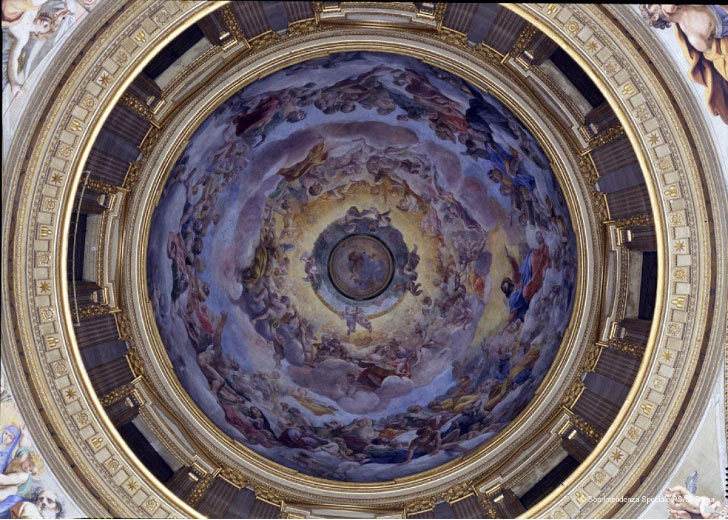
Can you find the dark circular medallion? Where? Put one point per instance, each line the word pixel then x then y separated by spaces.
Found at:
pixel 361 267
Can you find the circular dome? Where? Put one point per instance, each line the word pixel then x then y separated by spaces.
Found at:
pixel 361 267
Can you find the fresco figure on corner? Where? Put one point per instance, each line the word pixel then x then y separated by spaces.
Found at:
pixel 27 487
pixel 682 501
pixel 43 503
pixel 24 22
pixel 702 31
pixel 31 28
pixel 10 440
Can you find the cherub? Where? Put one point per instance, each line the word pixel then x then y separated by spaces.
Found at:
pixel 355 316
pixel 312 272
pixel 17 478
pixel 413 259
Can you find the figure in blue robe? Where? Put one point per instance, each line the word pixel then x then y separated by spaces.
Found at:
pixel 8 450
pixel 516 301
pixel 527 280
pixel 10 502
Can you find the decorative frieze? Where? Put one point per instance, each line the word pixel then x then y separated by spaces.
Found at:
pixel 132 176
pixel 585 426
pixel 572 392
pixel 124 326
pixel 236 478
pixel 268 495
pixel 101 187
pixel 200 489
pixel 628 348
pixel 629 222
pixel 89 311
pixel 135 361
pixel 232 23
pixel 458 492
pixel 606 136
pixel 524 38
pixel 137 106
pixel 419 505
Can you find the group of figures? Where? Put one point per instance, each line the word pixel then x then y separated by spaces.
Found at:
pixel 453 348
pixel 27 489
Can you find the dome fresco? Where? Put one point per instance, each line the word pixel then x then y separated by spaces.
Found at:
pixel 361 267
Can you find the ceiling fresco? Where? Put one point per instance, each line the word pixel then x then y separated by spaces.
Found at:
pixel 361 267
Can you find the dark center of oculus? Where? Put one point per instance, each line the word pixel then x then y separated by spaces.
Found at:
pixel 361 267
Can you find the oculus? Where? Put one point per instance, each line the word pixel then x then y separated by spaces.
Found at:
pixel 361 267
pixel 365 261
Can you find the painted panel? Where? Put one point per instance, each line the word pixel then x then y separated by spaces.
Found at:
pixel 425 363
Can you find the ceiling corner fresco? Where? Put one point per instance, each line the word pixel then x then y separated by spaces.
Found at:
pixel 701 33
pixel 28 488
pixel 361 267
pixel 33 31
